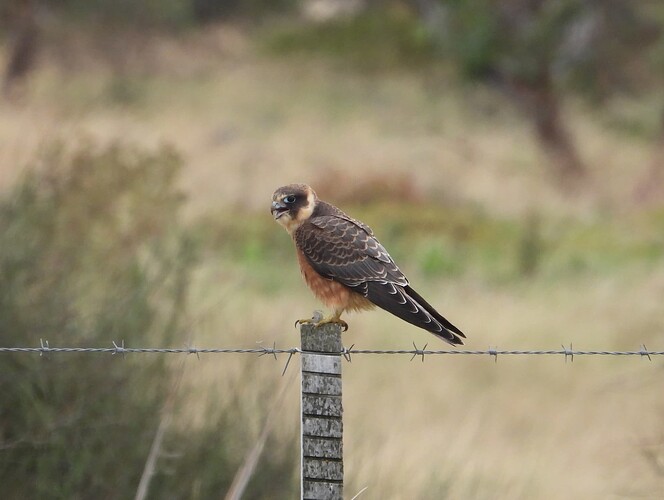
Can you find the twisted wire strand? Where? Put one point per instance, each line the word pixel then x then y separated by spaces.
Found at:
pixel 120 348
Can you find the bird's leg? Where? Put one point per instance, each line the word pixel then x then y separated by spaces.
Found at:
pixel 318 319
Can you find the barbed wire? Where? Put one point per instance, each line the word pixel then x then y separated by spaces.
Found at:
pixel 347 352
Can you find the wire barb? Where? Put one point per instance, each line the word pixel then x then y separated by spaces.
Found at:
pixel 569 352
pixel 346 353
pixel 269 350
pixel 644 352
pixel 493 351
pixel 43 346
pixel 419 352
pixel 290 355
pixel 191 349
pixel 119 349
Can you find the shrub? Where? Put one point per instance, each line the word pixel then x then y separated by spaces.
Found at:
pixel 91 251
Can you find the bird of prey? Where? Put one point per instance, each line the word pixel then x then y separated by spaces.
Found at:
pixel 346 267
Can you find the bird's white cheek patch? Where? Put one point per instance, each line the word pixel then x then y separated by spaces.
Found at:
pixel 288 223
pixel 306 211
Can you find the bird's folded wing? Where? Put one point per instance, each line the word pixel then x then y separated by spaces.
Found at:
pixel 342 250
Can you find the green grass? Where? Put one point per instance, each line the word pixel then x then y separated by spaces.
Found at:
pixel 437 242
pixel 375 40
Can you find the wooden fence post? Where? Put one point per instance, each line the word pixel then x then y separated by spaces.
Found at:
pixel 322 476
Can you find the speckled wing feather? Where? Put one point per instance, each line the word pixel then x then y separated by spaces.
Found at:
pixel 345 250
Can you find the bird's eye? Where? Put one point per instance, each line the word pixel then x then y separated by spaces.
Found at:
pixel 289 199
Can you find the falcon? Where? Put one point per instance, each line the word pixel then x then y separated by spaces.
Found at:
pixel 346 267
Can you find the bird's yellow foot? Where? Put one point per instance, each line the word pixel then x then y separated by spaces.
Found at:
pixel 314 320
pixel 336 321
pixel 318 320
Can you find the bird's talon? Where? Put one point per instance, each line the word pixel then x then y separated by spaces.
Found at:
pixel 317 321
pixel 333 320
pixel 314 320
pixel 341 323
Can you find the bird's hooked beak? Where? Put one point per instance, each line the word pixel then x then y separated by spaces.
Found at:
pixel 278 209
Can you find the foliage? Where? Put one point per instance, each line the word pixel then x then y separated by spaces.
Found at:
pixel 143 13
pixel 209 10
pixel 374 39
pixel 594 47
pixel 90 252
pixel 161 14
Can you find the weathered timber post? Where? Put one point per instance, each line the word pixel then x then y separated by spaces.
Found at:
pixel 322 475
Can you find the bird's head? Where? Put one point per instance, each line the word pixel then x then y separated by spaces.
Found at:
pixel 292 205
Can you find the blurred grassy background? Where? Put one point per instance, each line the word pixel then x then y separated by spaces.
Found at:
pixel 506 153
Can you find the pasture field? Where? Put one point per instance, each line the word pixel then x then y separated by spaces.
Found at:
pixel 455 188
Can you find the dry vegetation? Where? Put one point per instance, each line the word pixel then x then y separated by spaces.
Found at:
pixel 450 427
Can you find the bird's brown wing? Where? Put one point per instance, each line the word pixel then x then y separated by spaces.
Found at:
pixel 343 250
